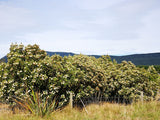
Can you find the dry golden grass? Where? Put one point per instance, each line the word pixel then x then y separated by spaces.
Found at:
pixel 105 111
pixel 110 111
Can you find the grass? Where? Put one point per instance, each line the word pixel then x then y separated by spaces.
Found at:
pixel 106 111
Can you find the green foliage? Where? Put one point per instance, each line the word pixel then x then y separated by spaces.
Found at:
pixel 29 68
pixel 17 76
pixel 157 67
pixel 37 105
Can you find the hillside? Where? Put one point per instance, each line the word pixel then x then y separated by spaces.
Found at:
pixel 137 59
pixel 140 59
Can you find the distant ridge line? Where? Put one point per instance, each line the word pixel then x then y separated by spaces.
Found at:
pixel 137 59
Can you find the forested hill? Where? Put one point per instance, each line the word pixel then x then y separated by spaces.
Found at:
pixel 137 59
pixel 60 53
pixel 140 59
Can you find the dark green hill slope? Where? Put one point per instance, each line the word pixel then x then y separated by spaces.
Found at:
pixel 137 59
pixel 4 59
pixel 140 59
pixel 60 53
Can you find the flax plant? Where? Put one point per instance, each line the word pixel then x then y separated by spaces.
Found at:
pixel 37 105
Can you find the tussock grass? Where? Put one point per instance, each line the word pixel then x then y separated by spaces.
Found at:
pixel 105 111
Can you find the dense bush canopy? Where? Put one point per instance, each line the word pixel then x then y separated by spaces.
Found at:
pixel 29 68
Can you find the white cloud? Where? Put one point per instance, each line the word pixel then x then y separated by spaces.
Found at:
pixel 149 35
pixel 71 41
pixel 13 19
pixel 86 26
pixel 4 48
pixel 97 4
pixel 151 28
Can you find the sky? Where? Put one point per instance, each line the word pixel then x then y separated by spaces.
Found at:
pixel 92 27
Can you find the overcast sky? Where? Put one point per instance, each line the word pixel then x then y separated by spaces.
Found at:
pixel 114 27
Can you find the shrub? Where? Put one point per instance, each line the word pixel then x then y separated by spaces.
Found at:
pixel 29 68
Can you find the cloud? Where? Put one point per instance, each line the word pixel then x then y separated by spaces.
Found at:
pixel 86 26
pixel 96 4
pixel 71 41
pixel 12 19
pixel 115 21
pixel 151 28
pixel 149 34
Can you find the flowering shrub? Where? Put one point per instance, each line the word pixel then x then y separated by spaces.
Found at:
pixel 29 68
